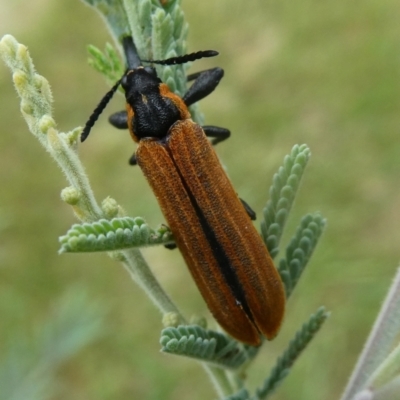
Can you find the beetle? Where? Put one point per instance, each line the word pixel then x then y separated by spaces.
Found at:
pixel 211 225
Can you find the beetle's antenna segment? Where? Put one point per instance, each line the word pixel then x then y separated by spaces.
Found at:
pixel 98 110
pixel 184 59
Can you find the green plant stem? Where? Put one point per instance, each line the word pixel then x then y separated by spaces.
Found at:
pixel 387 371
pixel 140 272
pixel 219 379
pixel 379 343
pixel 88 210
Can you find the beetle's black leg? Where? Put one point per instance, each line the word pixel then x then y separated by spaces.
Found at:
pixel 119 120
pixel 205 82
pixel 219 134
pixel 195 75
pixel 250 212
pixel 132 160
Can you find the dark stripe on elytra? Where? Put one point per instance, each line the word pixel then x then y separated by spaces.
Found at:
pixel 223 261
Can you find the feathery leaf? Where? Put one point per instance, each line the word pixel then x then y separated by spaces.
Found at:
pixel 296 346
pixel 282 194
pixel 107 63
pixel 300 249
pixel 116 234
pixel 205 345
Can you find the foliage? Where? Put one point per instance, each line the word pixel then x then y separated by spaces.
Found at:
pixel 117 234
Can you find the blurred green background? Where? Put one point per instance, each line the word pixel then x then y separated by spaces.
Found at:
pixel 322 73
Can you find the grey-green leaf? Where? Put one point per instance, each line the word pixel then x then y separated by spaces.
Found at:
pixel 117 234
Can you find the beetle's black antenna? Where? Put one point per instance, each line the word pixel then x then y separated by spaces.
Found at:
pixel 98 110
pixel 133 62
pixel 184 59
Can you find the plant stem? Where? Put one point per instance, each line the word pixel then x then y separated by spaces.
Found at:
pixel 219 379
pixel 379 342
pixel 140 272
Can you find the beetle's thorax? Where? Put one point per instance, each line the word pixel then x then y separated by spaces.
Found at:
pixel 152 107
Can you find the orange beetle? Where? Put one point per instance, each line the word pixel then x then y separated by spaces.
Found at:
pixel 211 225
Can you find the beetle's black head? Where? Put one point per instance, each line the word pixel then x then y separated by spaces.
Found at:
pixel 140 80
